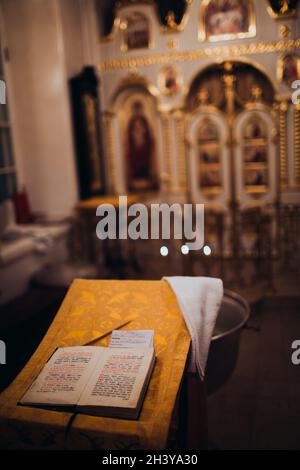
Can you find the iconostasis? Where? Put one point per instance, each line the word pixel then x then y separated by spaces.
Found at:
pixel 199 106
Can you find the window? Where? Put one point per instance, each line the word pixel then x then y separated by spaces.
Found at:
pixel 7 166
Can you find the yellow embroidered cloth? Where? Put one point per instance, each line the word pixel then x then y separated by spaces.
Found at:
pixel 92 309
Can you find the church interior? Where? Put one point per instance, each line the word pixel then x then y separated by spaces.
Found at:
pixel 193 102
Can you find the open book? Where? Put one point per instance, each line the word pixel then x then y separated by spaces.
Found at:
pixel 99 381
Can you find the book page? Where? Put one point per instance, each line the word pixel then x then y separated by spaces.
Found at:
pixel 64 377
pixel 131 339
pixel 118 378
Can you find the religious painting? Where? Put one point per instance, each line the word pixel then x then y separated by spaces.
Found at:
pixel 222 20
pixel 209 156
pixel 140 149
pixel 169 80
pixel 282 8
pixel 207 131
pixel 289 68
pixel 210 179
pixel 256 177
pixel 255 154
pixel 135 32
pixel 255 129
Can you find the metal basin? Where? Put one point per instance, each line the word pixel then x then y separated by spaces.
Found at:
pixel 234 313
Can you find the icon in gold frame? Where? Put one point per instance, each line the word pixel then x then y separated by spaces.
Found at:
pixel 169 80
pixel 136 32
pixel 289 68
pixel 222 20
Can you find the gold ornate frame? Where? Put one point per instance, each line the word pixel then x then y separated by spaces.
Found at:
pixel 161 80
pixel 134 80
pixel 218 188
pixel 123 28
pixel 208 192
pixel 232 58
pixel 281 16
pixel 252 48
pixel 149 112
pixel 254 190
pixel 172 26
pixel 262 189
pixel 202 36
pixel 255 166
pixel 119 6
pixel 111 36
pixel 148 92
pixel 280 67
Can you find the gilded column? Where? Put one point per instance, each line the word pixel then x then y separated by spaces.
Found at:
pixel 110 151
pixel 180 150
pixel 283 107
pixel 297 145
pixel 166 177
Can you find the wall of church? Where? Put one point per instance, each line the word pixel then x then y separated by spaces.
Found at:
pixel 45 49
pixel 50 41
pixel 186 50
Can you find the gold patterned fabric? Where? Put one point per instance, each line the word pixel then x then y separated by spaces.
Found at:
pixel 91 310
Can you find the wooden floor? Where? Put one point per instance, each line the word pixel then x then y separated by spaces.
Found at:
pixel 259 406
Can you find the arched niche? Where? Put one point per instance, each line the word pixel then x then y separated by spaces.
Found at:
pixel 232 92
pixel 136 135
pixel 136 31
pixel 249 77
pixel 207 157
pixel 256 163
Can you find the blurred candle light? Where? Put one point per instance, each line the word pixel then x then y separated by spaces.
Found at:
pixel 207 250
pixel 164 251
pixel 185 249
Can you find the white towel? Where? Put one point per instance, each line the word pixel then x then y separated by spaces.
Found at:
pixel 199 299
